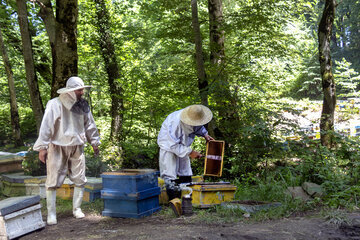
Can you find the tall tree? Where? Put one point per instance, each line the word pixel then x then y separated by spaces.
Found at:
pixel 328 83
pixel 47 15
pixel 65 60
pixel 199 56
pixel 15 122
pixel 31 77
pixel 112 69
pixel 222 96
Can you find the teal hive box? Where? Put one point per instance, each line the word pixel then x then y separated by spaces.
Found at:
pixel 133 205
pixel 130 193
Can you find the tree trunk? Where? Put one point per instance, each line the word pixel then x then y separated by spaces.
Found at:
pixel 65 57
pixel 199 56
pixel 217 36
pixel 108 53
pixel 15 122
pixel 47 15
pixel 31 78
pixel 328 83
pixel 220 89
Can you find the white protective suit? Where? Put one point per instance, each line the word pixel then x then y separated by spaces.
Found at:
pixel 64 134
pixel 174 140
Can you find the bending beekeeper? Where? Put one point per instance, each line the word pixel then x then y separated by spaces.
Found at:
pixel 177 133
pixel 66 125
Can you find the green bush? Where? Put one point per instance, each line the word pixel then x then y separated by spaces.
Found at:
pixel 32 165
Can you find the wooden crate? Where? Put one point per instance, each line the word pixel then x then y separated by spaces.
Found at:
pixel 214 158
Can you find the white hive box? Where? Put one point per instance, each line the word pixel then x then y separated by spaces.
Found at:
pixel 19 216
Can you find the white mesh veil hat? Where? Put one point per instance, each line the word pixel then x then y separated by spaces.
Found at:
pixel 72 84
pixel 196 115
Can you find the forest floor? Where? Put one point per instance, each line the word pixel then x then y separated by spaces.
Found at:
pixel 304 226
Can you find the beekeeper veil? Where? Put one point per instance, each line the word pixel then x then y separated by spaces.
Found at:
pixel 75 96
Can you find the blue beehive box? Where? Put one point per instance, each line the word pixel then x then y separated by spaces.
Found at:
pixel 133 205
pixel 130 193
pixel 130 180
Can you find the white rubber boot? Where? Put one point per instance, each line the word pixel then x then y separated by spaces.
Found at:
pixel 77 200
pixel 51 207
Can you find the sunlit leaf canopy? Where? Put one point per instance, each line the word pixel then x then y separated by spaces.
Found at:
pixel 270 53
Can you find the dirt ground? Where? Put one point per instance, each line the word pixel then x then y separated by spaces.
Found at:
pixel 158 226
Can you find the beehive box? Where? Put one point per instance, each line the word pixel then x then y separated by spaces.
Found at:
pixel 206 195
pixel 11 189
pixel 130 180
pixel 163 197
pixel 92 189
pixel 36 186
pixel 133 205
pixel 10 163
pixel 66 191
pixel 214 158
pixel 18 184
pixel 130 193
pixel 19 216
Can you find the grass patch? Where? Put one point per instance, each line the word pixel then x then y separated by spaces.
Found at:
pixel 64 207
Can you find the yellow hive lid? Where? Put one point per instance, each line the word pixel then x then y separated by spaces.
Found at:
pixel 213 187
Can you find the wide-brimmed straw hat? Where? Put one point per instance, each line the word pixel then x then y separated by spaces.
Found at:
pixel 196 115
pixel 72 84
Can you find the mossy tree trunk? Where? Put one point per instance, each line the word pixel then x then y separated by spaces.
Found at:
pixel 328 83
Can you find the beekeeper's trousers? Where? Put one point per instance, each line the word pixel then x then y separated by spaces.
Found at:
pixel 172 166
pixel 62 161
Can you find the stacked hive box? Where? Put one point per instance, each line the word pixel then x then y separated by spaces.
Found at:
pixel 66 191
pixel 130 193
pixel 92 189
pixel 10 163
pixel 17 184
pixel 20 215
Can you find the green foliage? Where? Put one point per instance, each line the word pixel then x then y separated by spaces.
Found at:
pixel 32 166
pixel 270 51
pixel 5 130
pixel 94 166
pixel 346 79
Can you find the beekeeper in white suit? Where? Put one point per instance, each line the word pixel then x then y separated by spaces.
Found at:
pixel 66 125
pixel 177 133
